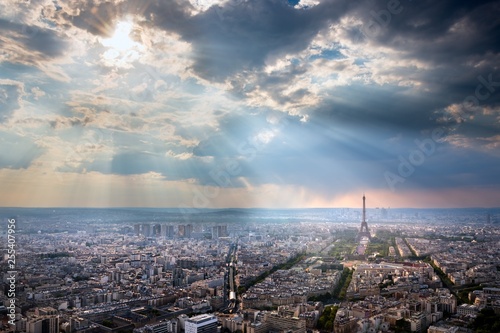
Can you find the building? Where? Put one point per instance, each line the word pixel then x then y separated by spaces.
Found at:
pixel 447 301
pixel 163 327
pixel 188 231
pixel 181 231
pixel 344 323
pixel 167 231
pixel 439 329
pixel 156 230
pixel 146 230
pixel 418 322
pixel 285 324
pixel 219 231
pixel 43 324
pixel 467 309
pixel 204 323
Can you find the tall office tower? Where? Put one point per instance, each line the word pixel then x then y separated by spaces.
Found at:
pixel 215 232
pixel 137 229
pixel 181 231
pixel 189 230
pixel 163 230
pixel 156 230
pixel 204 323
pixel 363 231
pixel 146 230
pixel 170 231
pixel 219 231
pixel 223 231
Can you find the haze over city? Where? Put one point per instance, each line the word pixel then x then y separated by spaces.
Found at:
pixel 207 103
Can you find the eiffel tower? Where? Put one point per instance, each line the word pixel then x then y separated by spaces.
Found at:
pixel 363 231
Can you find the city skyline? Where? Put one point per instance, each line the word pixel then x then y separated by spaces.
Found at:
pixel 250 104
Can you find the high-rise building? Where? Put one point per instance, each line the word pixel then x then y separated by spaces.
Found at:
pixel 204 323
pixel 185 231
pixel 189 230
pixel 215 232
pixel 156 230
pixel 219 231
pixel 170 231
pixel 167 231
pixel 163 230
pixel 146 230
pixel 181 231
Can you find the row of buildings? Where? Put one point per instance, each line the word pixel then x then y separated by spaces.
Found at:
pixel 179 231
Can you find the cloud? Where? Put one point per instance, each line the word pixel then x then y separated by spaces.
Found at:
pixel 296 95
pixel 17 152
pixel 30 43
pixel 11 93
pixel 231 38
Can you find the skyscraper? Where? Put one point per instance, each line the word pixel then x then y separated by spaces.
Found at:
pixel 146 230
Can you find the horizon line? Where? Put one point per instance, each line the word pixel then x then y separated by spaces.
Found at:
pixel 227 208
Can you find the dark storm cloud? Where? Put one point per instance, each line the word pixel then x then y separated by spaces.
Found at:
pixel 428 28
pixel 94 17
pixel 456 169
pixel 339 152
pixel 240 36
pixel 360 157
pixel 379 108
pixel 48 43
pixel 458 39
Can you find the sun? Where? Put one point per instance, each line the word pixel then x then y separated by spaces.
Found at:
pixel 121 49
pixel 120 40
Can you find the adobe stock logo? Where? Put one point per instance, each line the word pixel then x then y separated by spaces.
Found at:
pixel 381 18
pixel 406 167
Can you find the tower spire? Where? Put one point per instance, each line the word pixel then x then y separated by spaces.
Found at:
pixel 364 209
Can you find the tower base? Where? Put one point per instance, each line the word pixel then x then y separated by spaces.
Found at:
pixel 363 234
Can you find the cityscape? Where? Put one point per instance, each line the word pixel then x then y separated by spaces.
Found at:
pixel 315 270
pixel 249 166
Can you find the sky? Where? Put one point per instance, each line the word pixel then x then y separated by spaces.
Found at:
pixel 261 103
